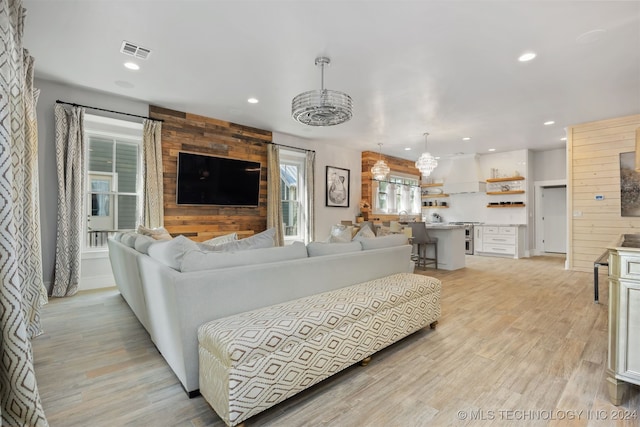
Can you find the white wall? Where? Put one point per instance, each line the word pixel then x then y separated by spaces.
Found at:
pixel 550 165
pixel 49 93
pixel 329 155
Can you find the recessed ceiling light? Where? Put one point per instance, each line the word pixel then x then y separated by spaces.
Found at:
pixel 563 139
pixel 466 138
pixel 252 100
pixel 528 56
pixel 549 123
pixel 132 65
pixel 492 149
pixel 437 157
pixel 407 149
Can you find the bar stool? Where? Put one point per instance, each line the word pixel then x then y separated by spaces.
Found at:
pixel 422 240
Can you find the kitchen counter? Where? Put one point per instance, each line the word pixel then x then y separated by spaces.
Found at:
pixel 442 226
pixel 451 254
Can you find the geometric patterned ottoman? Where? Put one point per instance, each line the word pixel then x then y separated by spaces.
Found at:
pixel 254 360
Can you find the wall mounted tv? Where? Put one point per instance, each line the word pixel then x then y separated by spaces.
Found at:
pixel 210 180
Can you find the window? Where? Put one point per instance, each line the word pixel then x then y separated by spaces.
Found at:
pixel 114 183
pixel 398 194
pixel 293 194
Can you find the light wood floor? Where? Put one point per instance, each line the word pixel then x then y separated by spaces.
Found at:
pixel 519 342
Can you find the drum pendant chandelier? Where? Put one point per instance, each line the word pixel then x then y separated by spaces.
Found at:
pixel 322 107
pixel 426 163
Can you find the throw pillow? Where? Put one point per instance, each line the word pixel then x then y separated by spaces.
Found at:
pixel 384 241
pixel 323 248
pixel 198 260
pixel 129 239
pixel 221 239
pixel 383 230
pixel 171 252
pixel 143 242
pixel 341 233
pixel 159 233
pixel 365 232
pixel 257 241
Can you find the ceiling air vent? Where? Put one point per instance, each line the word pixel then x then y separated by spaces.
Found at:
pixel 131 49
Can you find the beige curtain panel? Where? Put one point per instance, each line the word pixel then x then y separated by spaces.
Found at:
pixel 153 209
pixel 22 290
pixel 70 154
pixel 274 202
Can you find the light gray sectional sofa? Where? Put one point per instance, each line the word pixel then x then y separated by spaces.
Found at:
pixel 175 286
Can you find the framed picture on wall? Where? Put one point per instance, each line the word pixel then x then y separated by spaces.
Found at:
pixel 629 185
pixel 337 187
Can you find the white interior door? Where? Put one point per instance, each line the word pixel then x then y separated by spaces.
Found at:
pixel 554 213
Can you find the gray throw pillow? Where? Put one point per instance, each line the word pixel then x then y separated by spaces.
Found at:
pixel 257 241
pixel 384 241
pixel 171 252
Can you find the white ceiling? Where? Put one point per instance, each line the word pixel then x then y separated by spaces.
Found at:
pixel 446 67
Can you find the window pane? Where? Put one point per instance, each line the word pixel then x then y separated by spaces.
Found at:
pixel 100 155
pixel 127 167
pixel 289 181
pixel 290 212
pixel 127 212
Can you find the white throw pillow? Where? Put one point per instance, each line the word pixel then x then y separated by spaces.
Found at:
pixel 257 241
pixel 159 233
pixel 384 241
pixel 143 242
pixel 341 233
pixel 323 248
pixel 171 252
pixel 129 239
pixel 365 232
pixel 221 239
pixel 197 260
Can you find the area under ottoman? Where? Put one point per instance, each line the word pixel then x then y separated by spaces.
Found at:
pixel 254 360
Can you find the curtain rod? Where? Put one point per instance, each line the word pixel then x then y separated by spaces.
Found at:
pixel 108 111
pixel 289 146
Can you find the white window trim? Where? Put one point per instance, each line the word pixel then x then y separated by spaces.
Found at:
pixel 124 131
pixel 298 158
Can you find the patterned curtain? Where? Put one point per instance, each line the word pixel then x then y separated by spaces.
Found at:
pixel 310 164
pixel 22 291
pixel 70 166
pixel 274 200
pixel 152 208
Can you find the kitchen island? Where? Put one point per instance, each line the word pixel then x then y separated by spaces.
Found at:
pixel 451 255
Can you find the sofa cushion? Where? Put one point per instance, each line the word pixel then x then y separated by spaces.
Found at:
pixel 143 242
pixel 257 241
pixel 171 252
pixel 196 260
pixel 383 241
pixel 159 233
pixel 323 248
pixel 117 236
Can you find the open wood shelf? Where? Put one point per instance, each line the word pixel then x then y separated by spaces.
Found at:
pixel 511 178
pixel 499 193
pixel 435 184
pixel 433 196
pixel 506 206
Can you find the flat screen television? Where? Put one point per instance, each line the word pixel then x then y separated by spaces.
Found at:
pixel 211 180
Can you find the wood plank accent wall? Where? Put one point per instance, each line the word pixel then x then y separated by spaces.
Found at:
pixel 594 168
pixel 369 158
pixel 198 134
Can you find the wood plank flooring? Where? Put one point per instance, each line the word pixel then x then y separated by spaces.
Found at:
pixel 520 342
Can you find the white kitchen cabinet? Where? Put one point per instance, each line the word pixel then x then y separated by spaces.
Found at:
pixel 477 239
pixel 500 240
pixel 623 362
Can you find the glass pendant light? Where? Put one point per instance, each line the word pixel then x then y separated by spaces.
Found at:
pixel 380 170
pixel 426 163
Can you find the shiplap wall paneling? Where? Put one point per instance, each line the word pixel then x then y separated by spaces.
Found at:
pixel 594 169
pixel 189 132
